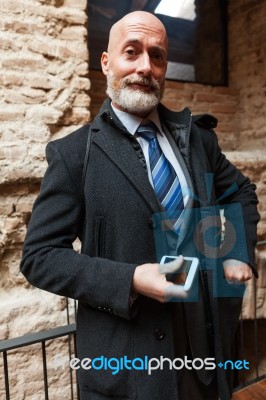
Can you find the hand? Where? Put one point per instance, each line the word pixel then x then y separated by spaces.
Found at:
pixel 150 280
pixel 236 271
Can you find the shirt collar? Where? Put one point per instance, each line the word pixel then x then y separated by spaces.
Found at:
pixel 131 122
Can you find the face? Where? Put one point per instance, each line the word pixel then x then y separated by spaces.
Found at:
pixel 135 64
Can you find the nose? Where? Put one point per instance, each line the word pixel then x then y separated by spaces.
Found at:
pixel 144 64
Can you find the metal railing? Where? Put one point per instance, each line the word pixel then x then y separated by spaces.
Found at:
pixel 42 338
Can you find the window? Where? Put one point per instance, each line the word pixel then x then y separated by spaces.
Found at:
pixel 196 31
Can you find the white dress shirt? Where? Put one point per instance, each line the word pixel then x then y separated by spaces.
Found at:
pixel 131 123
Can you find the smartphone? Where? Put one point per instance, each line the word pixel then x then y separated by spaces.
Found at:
pixel 185 276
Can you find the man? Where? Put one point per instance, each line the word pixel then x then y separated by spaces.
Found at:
pixel 121 290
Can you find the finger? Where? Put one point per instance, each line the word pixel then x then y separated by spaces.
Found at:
pixel 174 291
pixel 171 267
pixel 238 273
pixel 238 277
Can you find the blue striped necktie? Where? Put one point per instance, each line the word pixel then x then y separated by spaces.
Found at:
pixel 165 180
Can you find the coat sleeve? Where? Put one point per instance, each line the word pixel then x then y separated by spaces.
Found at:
pixel 237 195
pixel 49 261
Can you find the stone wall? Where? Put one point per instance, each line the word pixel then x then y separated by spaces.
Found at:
pixel 44 88
pixel 45 94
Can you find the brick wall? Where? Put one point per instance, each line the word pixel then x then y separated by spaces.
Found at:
pixel 247 71
pixel 44 95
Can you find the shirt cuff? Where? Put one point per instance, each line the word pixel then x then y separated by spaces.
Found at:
pixel 232 262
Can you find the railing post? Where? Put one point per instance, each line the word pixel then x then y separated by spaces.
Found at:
pixel 45 378
pixel 75 350
pixel 6 375
pixel 256 329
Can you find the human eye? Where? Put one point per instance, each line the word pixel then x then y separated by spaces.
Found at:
pixel 130 52
pixel 157 56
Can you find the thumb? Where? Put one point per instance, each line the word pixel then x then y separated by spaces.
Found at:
pixel 172 266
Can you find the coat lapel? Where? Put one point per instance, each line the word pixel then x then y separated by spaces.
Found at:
pixel 116 145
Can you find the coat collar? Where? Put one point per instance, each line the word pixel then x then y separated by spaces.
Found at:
pixel 107 126
pixel 112 137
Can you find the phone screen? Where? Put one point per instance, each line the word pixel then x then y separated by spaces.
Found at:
pixel 180 277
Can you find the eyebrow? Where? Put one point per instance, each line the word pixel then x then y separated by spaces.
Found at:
pixel 137 41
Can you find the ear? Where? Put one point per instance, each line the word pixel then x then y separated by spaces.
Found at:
pixel 105 62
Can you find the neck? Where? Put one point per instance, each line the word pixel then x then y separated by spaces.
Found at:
pixel 143 114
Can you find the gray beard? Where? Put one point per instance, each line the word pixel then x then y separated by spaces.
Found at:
pixel 133 101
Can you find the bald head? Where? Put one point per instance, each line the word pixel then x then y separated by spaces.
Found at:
pixel 139 20
pixel 135 63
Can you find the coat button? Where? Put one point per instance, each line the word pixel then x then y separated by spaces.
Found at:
pixel 159 334
pixel 150 223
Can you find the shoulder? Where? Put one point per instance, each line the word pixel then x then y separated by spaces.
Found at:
pixel 75 142
pixel 71 150
pixel 72 146
pixel 205 121
pixel 204 126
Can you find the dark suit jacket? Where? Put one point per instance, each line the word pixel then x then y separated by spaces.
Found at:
pixel 112 215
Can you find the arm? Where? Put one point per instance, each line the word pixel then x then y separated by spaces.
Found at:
pixel 236 266
pixel 49 261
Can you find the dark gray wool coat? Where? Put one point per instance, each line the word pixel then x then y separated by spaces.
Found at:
pixel 112 213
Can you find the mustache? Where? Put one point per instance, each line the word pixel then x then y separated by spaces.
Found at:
pixel 151 82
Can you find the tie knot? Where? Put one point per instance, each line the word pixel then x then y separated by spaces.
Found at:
pixel 147 130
